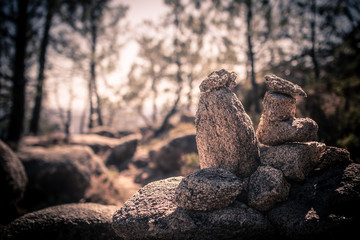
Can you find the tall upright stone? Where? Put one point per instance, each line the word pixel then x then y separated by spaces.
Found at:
pixel 224 132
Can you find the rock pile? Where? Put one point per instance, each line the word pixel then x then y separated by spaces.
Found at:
pixel 299 189
pixel 278 123
pixel 290 156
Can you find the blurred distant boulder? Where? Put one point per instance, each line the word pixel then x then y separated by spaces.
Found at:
pixel 169 156
pixel 99 144
pixel 122 153
pixel 46 140
pixel 124 133
pixel 104 131
pixel 58 175
pixel 70 221
pixel 111 132
pixel 13 181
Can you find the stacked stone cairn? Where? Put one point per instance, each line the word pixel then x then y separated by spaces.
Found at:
pixel 291 154
pixel 278 124
pixel 226 141
pixel 227 147
pixel 291 188
pixel 240 192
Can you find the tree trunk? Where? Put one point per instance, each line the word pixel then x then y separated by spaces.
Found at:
pixel 34 124
pixel 251 58
pixel 313 40
pixel 16 123
pixel 155 95
pixel 174 108
pixel 172 111
pixel 68 124
pixel 95 105
pixel 179 79
pixel 189 95
pixel 82 120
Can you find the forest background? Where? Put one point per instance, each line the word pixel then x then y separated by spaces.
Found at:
pixel 68 65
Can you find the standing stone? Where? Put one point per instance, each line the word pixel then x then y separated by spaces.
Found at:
pixel 224 132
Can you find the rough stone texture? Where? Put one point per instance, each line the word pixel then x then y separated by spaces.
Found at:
pixel 208 189
pixel 121 154
pixel 224 132
pixel 59 174
pixel 278 107
pixel 293 130
pixel 13 181
pixel 168 157
pixel 333 156
pixel 218 79
pixel 295 160
pixel 267 186
pixel 326 206
pixel 280 85
pixel 70 221
pixel 152 214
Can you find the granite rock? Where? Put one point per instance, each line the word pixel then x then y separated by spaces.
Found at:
pixel 152 214
pixel 280 85
pixel 278 107
pixel 325 206
pixel 13 180
pixel 121 154
pixel 333 156
pixel 218 79
pixel 267 186
pixel 169 157
pixel 293 130
pixel 208 189
pixel 70 221
pixel 224 132
pixel 58 175
pixel 295 160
